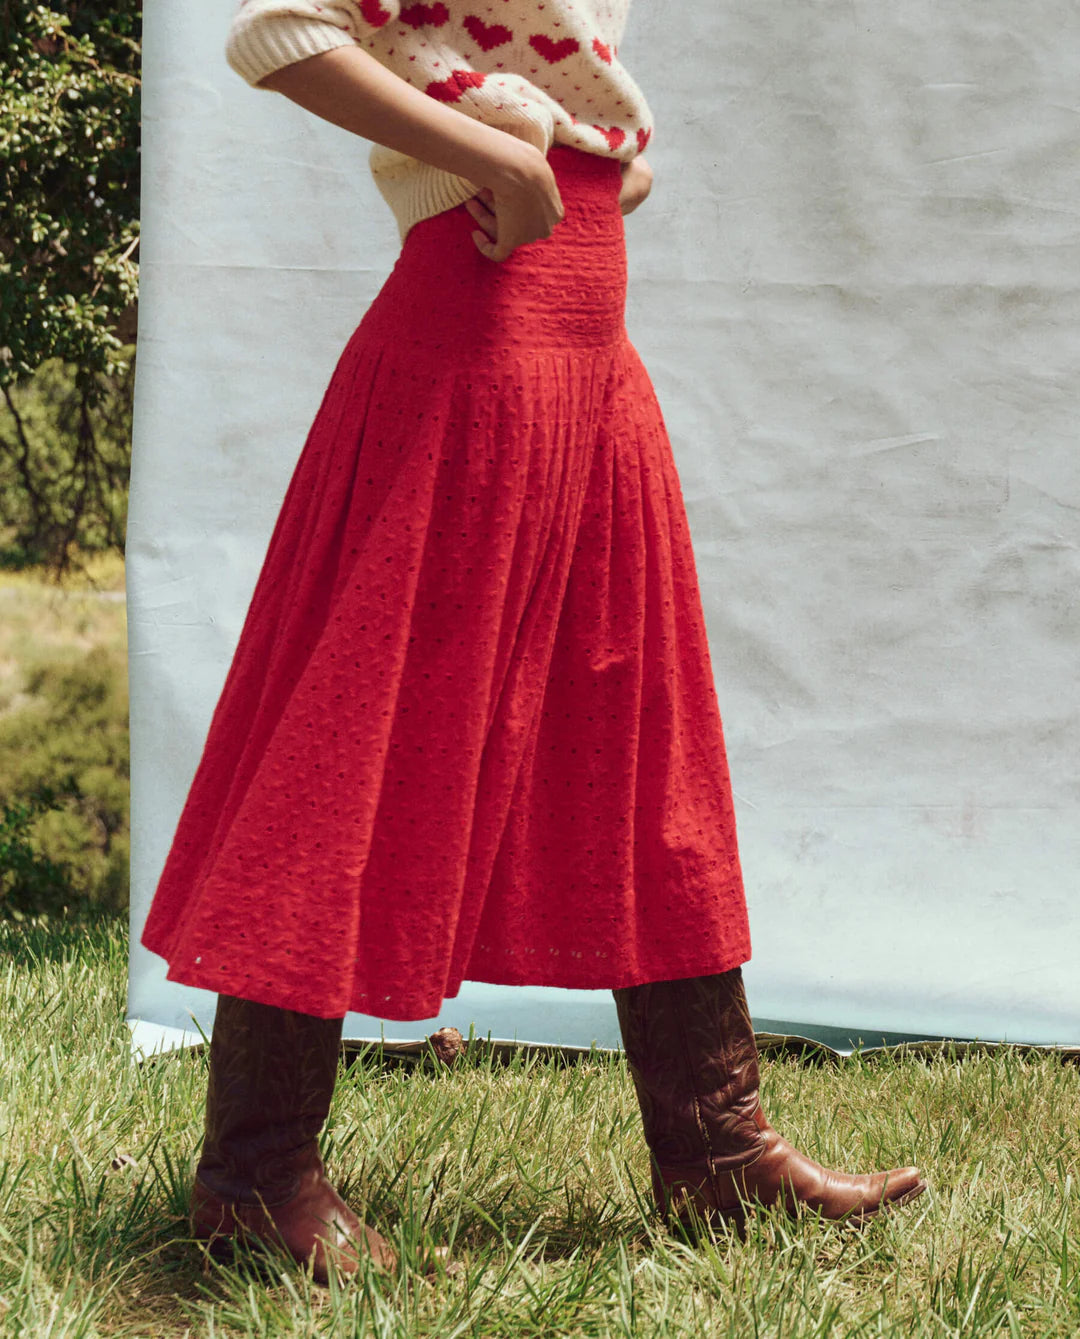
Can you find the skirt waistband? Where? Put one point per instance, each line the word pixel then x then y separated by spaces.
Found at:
pixel 567 290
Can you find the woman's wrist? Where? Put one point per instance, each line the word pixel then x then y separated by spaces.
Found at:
pixel 504 162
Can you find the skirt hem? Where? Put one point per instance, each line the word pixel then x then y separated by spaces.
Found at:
pixel 705 965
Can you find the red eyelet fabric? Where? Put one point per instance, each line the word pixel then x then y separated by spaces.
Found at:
pixel 470 730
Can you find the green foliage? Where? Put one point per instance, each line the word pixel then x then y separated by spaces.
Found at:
pixel 64 474
pixel 69 179
pixel 69 229
pixel 64 788
pixel 30 883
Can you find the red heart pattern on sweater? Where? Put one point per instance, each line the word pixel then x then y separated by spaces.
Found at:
pixel 553 52
pixel 614 136
pixel 425 16
pixel 487 36
pixel 451 89
pixel 373 13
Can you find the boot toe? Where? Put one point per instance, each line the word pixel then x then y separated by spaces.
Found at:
pixel 341 1248
pixel 314 1227
pixel 435 1261
pixel 319 1224
pixel 895 1188
pixel 902 1185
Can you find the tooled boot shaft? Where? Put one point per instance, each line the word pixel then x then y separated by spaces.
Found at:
pixel 271 1082
pixel 692 1056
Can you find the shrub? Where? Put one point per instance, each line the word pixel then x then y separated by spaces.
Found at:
pixel 64 770
pixel 30 883
pixel 64 466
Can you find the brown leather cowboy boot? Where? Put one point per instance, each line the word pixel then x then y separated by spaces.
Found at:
pixel 691 1053
pixel 260 1177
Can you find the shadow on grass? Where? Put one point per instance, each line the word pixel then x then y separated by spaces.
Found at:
pixel 171 1270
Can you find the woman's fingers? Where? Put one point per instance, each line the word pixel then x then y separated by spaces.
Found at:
pixel 482 208
pixel 484 216
pixel 486 240
pixel 637 181
pixel 523 210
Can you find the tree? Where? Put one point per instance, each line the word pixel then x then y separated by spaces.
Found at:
pixel 69 183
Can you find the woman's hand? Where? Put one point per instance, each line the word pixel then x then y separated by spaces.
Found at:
pixel 522 206
pixel 637 180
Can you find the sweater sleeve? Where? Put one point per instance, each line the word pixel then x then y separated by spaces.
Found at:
pixel 267 35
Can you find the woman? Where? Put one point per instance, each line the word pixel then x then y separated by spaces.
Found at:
pixel 470 730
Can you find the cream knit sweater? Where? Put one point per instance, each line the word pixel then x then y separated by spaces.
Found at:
pixel 545 72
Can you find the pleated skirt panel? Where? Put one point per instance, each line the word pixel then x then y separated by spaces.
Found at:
pixel 470 729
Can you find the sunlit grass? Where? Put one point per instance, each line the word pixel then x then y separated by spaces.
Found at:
pixel 98 571
pixel 534 1173
pixel 45 623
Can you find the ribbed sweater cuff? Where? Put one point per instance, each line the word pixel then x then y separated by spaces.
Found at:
pixel 421 193
pixel 265 44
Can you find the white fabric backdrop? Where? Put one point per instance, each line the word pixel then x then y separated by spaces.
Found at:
pixel 855 287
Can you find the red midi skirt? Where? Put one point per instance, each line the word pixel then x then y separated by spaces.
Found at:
pixel 470 730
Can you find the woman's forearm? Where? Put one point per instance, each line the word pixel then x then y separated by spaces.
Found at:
pixel 349 87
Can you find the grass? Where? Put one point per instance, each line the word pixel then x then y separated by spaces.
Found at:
pixel 534 1172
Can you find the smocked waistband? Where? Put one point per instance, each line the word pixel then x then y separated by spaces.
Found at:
pixel 567 290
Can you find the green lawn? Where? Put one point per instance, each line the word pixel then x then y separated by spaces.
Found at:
pixel 534 1173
